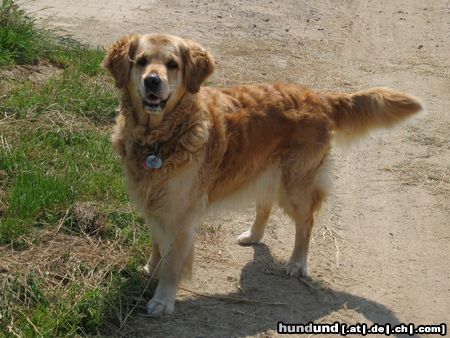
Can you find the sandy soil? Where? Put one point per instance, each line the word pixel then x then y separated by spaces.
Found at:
pixel 382 241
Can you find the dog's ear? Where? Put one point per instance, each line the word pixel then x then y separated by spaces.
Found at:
pixel 119 58
pixel 198 65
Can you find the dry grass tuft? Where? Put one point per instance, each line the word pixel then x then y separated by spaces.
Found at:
pixel 88 219
pixel 51 121
pixel 61 258
pixel 435 178
pixel 77 274
pixel 37 74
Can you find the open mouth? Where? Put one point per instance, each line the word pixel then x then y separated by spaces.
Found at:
pixel 154 103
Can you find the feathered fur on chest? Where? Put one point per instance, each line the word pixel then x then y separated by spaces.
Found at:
pixel 177 143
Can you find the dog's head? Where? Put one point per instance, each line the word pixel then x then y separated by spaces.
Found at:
pixel 158 70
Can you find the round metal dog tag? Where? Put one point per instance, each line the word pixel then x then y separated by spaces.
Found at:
pixel 153 162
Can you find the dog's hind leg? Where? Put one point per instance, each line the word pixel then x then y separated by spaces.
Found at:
pixel 302 192
pixel 256 232
pixel 302 211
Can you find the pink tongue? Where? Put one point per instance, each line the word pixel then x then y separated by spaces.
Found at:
pixel 153 99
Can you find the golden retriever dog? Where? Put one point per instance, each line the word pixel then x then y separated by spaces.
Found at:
pixel 187 148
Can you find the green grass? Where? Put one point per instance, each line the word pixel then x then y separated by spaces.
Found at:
pixel 80 89
pixel 60 183
pixel 82 311
pixel 22 42
pixel 31 195
pixel 50 168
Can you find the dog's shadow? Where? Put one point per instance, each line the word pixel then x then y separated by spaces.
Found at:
pixel 278 298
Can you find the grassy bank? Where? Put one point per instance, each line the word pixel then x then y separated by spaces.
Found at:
pixel 69 242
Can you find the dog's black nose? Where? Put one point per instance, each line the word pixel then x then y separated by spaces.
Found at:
pixel 152 81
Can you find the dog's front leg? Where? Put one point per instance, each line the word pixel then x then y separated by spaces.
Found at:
pixel 174 257
pixel 151 268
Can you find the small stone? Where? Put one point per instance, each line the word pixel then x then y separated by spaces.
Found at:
pixel 419 46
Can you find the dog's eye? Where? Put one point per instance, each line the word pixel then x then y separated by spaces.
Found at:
pixel 172 64
pixel 141 61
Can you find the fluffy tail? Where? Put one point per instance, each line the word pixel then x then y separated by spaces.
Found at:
pixel 356 114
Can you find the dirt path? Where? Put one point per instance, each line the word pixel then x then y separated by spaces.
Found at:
pixel 381 246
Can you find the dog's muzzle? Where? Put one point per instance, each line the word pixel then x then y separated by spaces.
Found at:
pixel 154 103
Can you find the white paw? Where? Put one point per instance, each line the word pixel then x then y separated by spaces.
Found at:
pixel 159 307
pixel 247 238
pixel 297 269
pixel 148 269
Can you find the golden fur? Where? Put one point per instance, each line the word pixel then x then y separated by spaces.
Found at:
pixel 267 143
